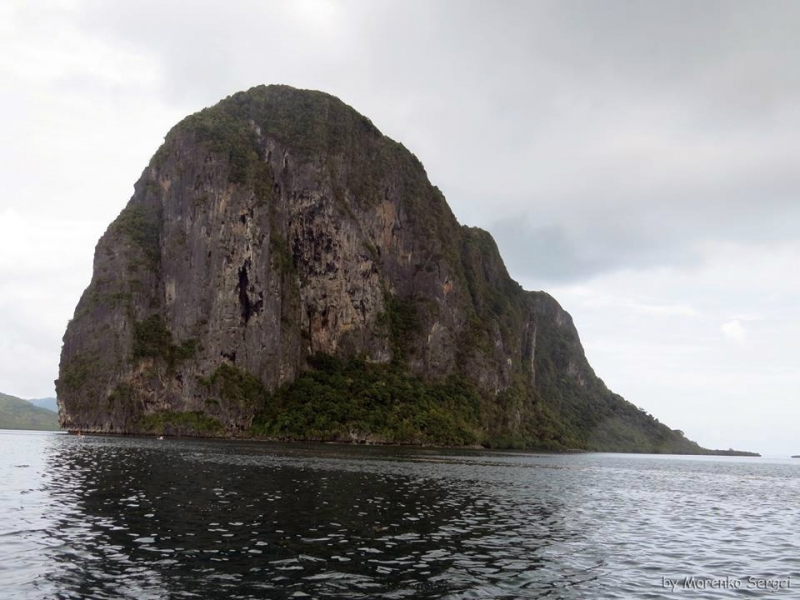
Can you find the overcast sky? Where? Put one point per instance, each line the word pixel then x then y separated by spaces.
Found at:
pixel 638 160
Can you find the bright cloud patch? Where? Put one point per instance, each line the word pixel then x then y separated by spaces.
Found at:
pixel 735 331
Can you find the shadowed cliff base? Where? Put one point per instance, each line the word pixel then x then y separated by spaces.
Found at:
pixel 283 270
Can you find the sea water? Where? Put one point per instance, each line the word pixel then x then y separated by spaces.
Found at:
pixel 141 518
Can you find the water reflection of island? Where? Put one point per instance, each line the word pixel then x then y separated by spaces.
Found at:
pixel 152 519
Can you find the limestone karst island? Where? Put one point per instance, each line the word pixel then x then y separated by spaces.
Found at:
pixel 284 271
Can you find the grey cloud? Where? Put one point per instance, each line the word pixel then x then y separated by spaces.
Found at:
pixel 629 132
pixel 554 254
pixel 543 253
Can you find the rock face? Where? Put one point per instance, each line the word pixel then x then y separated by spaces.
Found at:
pixel 280 226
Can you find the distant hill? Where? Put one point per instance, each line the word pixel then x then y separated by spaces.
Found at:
pixel 48 403
pixel 16 413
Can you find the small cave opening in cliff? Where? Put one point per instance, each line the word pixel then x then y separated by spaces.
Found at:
pixel 244 298
pixel 257 305
pixel 249 308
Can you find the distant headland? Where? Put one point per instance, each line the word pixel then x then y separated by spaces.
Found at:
pixel 16 413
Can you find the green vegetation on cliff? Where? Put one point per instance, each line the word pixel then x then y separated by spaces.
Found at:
pixel 354 400
pixel 16 413
pixel 152 339
pixel 401 320
pixel 236 388
pixel 190 423
pixel 141 225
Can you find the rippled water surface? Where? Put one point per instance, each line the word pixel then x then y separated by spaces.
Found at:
pixel 107 517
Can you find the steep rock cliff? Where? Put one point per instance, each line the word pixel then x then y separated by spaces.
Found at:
pixel 284 270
